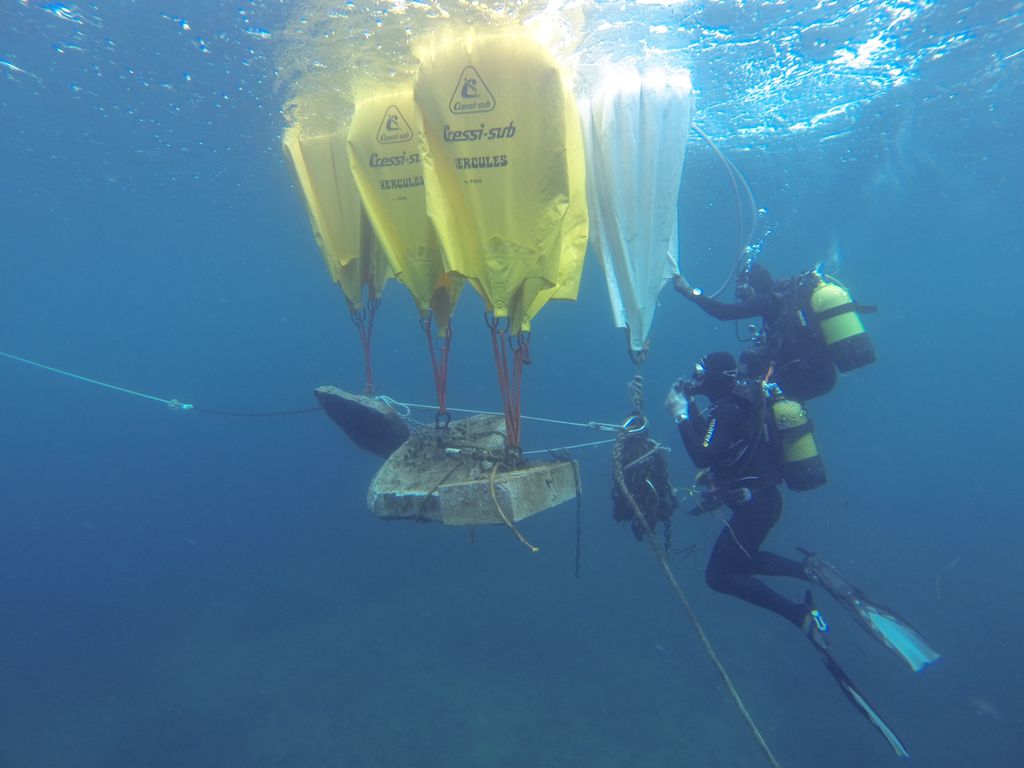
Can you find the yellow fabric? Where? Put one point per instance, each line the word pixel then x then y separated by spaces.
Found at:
pixel 364 277
pixel 499 137
pixel 385 159
pixel 339 225
pixel 576 227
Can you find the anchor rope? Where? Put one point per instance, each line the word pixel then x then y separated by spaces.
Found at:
pixel 670 576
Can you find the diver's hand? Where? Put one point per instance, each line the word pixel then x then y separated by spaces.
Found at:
pixel 682 286
pixel 677 403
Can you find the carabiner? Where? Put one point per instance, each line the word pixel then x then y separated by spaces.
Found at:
pixel 635 424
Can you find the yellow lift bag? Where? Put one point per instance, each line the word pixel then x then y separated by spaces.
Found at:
pixel 575 228
pixel 336 215
pixel 500 168
pixel 384 151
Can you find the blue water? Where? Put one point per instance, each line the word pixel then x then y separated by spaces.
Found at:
pixel 184 589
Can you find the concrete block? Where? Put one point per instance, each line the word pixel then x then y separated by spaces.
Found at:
pixel 446 477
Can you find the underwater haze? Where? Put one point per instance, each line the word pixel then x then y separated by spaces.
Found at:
pixel 187 588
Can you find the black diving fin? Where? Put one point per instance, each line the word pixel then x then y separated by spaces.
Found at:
pixel 884 624
pixel 857 699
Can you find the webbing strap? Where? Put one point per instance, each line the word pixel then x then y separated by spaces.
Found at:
pixel 439 364
pixel 795 433
pixel 841 309
pixel 510 373
pixel 363 319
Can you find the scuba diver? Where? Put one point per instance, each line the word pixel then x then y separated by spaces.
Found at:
pixel 810 326
pixel 739 447
pixel 743 474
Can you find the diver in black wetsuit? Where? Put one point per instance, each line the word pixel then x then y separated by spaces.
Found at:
pixel 732 442
pixel 791 347
pixel 729 441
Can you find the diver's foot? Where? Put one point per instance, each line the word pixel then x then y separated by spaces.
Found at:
pixel 814 625
pixel 813 565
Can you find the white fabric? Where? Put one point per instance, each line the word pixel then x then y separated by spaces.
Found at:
pixel 635 132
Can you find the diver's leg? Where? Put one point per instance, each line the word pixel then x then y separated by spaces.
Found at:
pixel 766 505
pixel 730 567
pixel 771 564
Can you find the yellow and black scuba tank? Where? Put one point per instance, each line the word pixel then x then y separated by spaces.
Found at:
pixel 837 317
pixel 802 466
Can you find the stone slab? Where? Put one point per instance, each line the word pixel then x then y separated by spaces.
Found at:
pixel 447 477
pixel 371 424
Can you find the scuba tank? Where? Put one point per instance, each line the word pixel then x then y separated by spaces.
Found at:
pixel 802 467
pixel 836 315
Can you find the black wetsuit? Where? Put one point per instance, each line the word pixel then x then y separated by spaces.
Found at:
pixel 803 365
pixel 728 441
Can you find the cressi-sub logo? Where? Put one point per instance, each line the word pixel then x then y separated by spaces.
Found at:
pixel 471 94
pixel 394 128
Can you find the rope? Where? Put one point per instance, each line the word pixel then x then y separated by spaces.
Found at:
pixel 400 407
pixel 732 533
pixel 510 376
pixel 504 517
pixel 691 615
pixel 644 457
pixel 598 425
pixel 172 403
pixel 579 516
pixel 636 393
pixel 405 408
pixel 567 447
pixel 294 412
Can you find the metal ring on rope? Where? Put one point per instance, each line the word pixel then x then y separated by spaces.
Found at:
pixel 635 424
